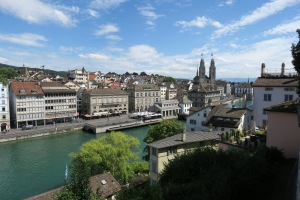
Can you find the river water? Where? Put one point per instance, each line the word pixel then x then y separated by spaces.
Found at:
pixel 34 166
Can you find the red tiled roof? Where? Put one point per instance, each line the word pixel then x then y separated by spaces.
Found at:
pixel 105 91
pixel 276 82
pixel 92 77
pixel 26 88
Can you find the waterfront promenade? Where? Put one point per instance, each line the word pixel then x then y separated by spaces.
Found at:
pixel 19 134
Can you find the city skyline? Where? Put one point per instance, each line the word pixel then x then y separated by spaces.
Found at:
pixel 158 37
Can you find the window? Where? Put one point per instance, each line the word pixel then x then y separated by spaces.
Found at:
pixel 204 115
pixel 288 97
pixel 268 89
pixel 265 112
pixel 192 121
pixel 153 151
pixel 3 108
pixel 154 166
pixel 289 89
pixel 3 116
pixel 267 97
pixel 172 150
pixel 192 129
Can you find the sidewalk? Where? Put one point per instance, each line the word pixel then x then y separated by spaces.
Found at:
pixel 15 134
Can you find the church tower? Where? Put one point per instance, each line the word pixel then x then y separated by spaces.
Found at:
pixel 202 71
pixel 212 71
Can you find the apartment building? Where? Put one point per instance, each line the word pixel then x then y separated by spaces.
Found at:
pixel 4 110
pixel 79 75
pixel 142 97
pixel 171 92
pixel 104 101
pixel 26 104
pixel 162 151
pixel 270 89
pixel 60 102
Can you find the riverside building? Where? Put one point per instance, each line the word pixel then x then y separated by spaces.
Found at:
pixel 4 110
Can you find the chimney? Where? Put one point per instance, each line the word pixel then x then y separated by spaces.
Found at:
pixel 263 69
pixel 282 69
pixel 183 136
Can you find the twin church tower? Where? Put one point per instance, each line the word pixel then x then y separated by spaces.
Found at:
pixel 201 77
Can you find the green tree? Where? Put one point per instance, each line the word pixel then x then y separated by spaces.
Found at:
pixel 170 79
pixel 143 74
pixel 296 58
pixel 112 153
pixel 164 129
pixel 7 73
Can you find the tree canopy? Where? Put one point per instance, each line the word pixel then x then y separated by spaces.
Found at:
pixel 170 79
pixel 143 74
pixel 7 73
pixel 164 129
pixel 296 58
pixel 212 174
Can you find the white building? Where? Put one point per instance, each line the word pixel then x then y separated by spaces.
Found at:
pixel 185 104
pixel 270 90
pixel 79 75
pixel 4 110
pixel 196 121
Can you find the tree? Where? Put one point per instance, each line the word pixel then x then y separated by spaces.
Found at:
pixel 135 74
pixel 143 74
pixel 112 153
pixel 7 73
pixel 170 79
pixel 164 129
pixel 296 58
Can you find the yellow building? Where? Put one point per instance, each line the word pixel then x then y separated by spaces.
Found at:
pixel 166 149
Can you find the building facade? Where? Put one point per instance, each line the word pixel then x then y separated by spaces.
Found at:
pixel 171 92
pixel 27 104
pixel 60 102
pixel 79 75
pixel 142 97
pixel 104 102
pixel 4 112
pixel 167 108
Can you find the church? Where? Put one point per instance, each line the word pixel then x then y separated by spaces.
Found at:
pixel 204 91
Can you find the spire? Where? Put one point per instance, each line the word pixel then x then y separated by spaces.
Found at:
pixel 197 72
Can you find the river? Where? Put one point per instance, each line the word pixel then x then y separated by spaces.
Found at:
pixel 34 166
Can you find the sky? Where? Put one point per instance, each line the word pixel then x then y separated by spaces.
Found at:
pixel 165 37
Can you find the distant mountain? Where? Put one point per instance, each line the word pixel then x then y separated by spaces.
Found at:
pixel 46 71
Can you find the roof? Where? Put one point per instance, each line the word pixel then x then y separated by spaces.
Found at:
pixel 221 111
pixel 287 106
pixel 56 87
pixel 204 87
pixel 105 92
pixel 276 82
pixel 104 185
pixel 92 76
pixel 191 137
pixel 26 88
pixel 145 87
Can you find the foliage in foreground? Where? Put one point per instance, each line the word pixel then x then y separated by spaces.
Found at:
pixel 210 174
pixel 7 73
pixel 112 153
pixel 164 129
pixel 296 58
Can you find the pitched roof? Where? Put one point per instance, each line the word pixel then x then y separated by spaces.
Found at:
pixel 276 82
pixel 221 111
pixel 287 106
pixel 26 88
pixel 92 76
pixel 56 87
pixel 191 137
pixel 105 91
pixel 104 185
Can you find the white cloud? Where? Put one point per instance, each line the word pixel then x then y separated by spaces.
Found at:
pixel 258 14
pixel 3 60
pixel 96 56
pixel 28 39
pixel 93 13
pixel 38 12
pixel 144 53
pixel 149 14
pixel 106 4
pixel 107 29
pixel 284 28
pixel 113 37
pixel 228 2
pixel 199 22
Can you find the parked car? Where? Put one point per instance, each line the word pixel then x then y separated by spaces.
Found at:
pixel 27 127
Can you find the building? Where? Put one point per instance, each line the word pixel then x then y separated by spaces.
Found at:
pixel 4 112
pixel 166 149
pixel 283 129
pixel 271 89
pixel 185 104
pixel 222 118
pixel 60 102
pixel 142 97
pixel 104 101
pixel 196 120
pixel 167 108
pixel 204 91
pixel 163 90
pixel 171 92
pixel 79 75
pixel 241 89
pixel 26 104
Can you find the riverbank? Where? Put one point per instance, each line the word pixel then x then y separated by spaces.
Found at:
pixel 40 131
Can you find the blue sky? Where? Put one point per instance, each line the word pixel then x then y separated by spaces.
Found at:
pixel 164 37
